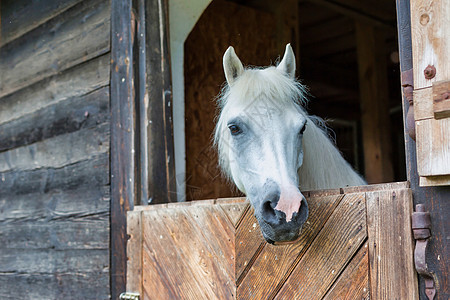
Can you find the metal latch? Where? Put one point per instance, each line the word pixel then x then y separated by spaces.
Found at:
pixel 421 225
pixel 129 296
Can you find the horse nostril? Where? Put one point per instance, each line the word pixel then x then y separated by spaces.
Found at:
pixel 268 212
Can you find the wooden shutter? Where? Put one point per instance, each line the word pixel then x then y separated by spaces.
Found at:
pixel 430 28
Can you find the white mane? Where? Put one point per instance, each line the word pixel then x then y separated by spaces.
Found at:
pixel 323 166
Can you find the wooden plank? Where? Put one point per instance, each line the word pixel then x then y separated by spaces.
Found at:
pixel 430 29
pixel 391 245
pixel 84 174
pixel 354 280
pixel 335 245
pixel 374 105
pixel 441 99
pixel 77 35
pixel 277 262
pixel 433 147
pixel 249 243
pixel 423 104
pixel 54 261
pixel 161 157
pixel 88 285
pixel 55 205
pixel 64 117
pixel 21 16
pixel 134 252
pixel 235 210
pixel 60 87
pixel 434 180
pixel 86 232
pixel 122 139
pixel 204 256
pixel 58 151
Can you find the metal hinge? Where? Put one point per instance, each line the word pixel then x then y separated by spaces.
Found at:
pixel 421 225
pixel 129 296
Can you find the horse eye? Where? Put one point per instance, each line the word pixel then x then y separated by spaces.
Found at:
pixel 234 129
pixel 303 129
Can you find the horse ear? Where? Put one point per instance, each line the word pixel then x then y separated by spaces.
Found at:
pixel 287 64
pixel 232 66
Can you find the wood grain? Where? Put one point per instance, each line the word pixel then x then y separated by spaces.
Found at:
pixel 332 249
pixel 185 259
pixel 443 180
pixel 84 174
pixel 235 210
pixel 59 151
pixel 134 252
pixel 57 88
pixel 423 104
pixel 392 273
pixel 433 147
pixel 75 36
pixel 441 99
pixel 430 30
pixel 162 185
pixel 21 16
pixel 65 117
pixel 276 262
pixel 353 283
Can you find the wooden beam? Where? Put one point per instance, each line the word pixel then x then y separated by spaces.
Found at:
pixel 161 157
pixel 122 139
pixel 374 104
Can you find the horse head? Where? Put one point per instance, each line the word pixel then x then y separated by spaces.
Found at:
pixel 259 135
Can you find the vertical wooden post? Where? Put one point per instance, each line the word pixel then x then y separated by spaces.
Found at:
pixel 374 104
pixel 161 158
pixel 122 139
pixel 435 199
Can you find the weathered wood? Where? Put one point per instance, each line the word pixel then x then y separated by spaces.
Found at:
pixel 235 210
pixel 134 252
pixel 334 247
pixel 441 99
pixel 64 117
pixel 181 250
pixel 58 151
pixel 277 262
pixel 430 28
pixel 84 232
pixel 60 87
pixel 433 147
pixel 75 36
pixel 374 105
pixel 392 273
pixel 54 261
pixel 122 139
pixel 354 280
pixel 56 204
pixel 442 180
pixel 161 158
pixel 21 16
pixel 423 106
pixel 87 173
pixel 90 285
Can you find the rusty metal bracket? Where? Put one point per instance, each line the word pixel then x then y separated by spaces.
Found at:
pixel 421 225
pixel 408 88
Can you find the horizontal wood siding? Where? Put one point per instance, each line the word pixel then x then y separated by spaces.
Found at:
pixel 55 150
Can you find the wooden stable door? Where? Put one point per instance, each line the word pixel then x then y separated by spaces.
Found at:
pixel 356 244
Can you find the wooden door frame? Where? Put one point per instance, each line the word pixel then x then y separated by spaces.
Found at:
pixel 435 199
pixel 142 152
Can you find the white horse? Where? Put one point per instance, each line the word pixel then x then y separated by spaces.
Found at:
pixel 271 148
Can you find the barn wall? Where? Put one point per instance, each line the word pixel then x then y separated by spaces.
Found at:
pixel 54 149
pixel 253 35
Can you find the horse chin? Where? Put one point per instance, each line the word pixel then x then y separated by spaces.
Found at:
pixel 277 237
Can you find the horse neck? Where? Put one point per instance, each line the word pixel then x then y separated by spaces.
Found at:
pixel 323 165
